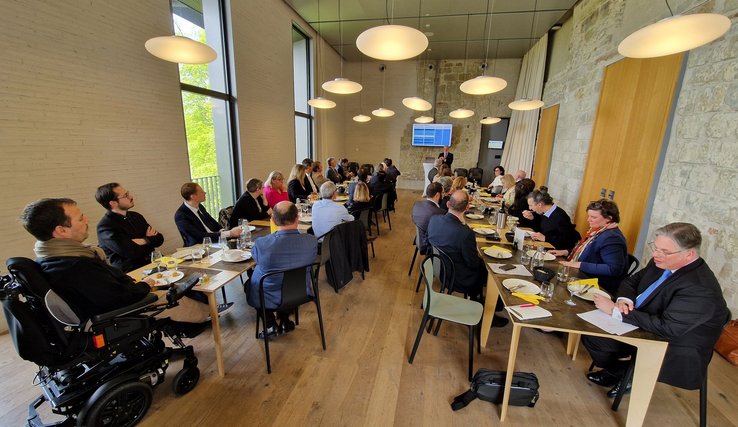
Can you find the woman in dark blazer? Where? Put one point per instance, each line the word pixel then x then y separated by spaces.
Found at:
pixel 602 253
pixel 360 200
pixel 251 205
pixel 556 227
pixel 296 184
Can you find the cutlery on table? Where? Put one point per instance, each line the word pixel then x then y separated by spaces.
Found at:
pixel 585 290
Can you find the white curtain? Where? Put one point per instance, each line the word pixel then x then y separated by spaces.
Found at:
pixel 521 135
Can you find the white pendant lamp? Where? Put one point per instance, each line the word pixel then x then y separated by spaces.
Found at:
pixel 362 118
pixel 490 120
pixel 181 50
pixel 525 104
pixel 424 119
pixel 483 85
pixel 321 103
pixel 392 42
pixel 383 112
pixel 416 103
pixel 673 35
pixel 461 113
pixel 342 86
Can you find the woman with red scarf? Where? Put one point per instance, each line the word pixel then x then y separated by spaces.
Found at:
pixel 602 252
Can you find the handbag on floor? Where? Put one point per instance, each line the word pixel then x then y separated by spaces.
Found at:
pixel 727 344
pixel 489 385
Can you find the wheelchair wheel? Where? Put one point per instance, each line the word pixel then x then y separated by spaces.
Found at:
pixel 123 405
pixel 185 380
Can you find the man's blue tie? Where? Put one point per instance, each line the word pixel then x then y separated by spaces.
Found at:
pixel 649 290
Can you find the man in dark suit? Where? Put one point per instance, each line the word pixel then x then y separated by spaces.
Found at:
pixel 332 173
pixel 447 156
pixel 309 184
pixel 283 250
pixel 194 222
pixel 124 235
pixel 450 234
pixel 423 210
pixel 676 297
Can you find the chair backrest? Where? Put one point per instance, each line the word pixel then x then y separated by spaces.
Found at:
pixel 353 167
pixel 364 218
pixel 369 167
pixel 385 199
pixel 417 237
pixel 444 270
pixel 633 264
pixel 224 217
pixel 295 285
pixel 429 271
pixel 475 174
pixel 325 248
pixel 461 172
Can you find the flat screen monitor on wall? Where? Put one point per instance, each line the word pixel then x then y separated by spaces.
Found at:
pixel 432 135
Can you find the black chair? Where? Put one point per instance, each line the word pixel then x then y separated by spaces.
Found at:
pixel 294 294
pixel 353 167
pixel 633 264
pixel 324 254
pixel 461 172
pixel 364 218
pixel 416 243
pixel 369 167
pixel 476 174
pixel 384 207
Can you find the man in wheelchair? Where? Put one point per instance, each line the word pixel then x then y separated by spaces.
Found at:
pixel 92 330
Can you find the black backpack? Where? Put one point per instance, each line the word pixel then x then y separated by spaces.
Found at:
pixel 489 385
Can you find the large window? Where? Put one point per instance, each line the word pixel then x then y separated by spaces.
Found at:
pixel 208 103
pixel 303 119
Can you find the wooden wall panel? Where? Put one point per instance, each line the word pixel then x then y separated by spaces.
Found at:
pixel 544 145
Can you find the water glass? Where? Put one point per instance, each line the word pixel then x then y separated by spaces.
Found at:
pixel 156 257
pixel 171 265
pixel 206 242
pixel 196 255
pixel 563 274
pixel 525 256
pixel 223 242
pixel 547 291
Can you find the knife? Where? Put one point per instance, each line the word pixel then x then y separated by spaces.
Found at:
pixel 585 290
pixel 517 313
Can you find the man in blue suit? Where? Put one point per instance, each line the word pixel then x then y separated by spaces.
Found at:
pixel 194 222
pixel 423 211
pixel 284 250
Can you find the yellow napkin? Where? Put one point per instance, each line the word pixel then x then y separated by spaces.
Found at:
pixel 166 259
pixel 533 299
pixel 272 226
pixel 480 226
pixel 484 194
pixel 584 282
pixel 501 248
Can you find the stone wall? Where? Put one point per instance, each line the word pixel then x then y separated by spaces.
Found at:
pixel 700 172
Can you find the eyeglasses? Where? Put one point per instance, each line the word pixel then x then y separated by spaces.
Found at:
pixel 656 250
pixel 125 196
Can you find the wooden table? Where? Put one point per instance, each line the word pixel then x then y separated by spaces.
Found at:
pixel 651 349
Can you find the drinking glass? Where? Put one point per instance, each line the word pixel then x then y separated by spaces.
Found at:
pixel 206 242
pixel 525 256
pixel 171 266
pixel 492 219
pixel 223 242
pixel 572 290
pixel 156 257
pixel 563 274
pixel 547 291
pixel 196 255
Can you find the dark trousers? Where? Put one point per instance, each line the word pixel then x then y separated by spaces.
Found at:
pixel 606 353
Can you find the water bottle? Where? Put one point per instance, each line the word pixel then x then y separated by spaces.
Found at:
pixel 501 217
pixel 244 240
pixel 538 257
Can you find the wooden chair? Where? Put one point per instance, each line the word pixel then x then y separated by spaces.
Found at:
pixel 294 294
pixel 447 307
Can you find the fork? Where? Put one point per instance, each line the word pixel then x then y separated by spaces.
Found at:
pixel 515 288
pixel 584 291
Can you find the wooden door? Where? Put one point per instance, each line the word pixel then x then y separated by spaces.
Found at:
pixel 544 145
pixel 632 118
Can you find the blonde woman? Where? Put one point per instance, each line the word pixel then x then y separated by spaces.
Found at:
pixel 296 183
pixel 360 200
pixel 508 190
pixel 274 189
pixel 459 183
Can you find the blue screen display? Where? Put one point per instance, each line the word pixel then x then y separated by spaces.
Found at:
pixel 432 135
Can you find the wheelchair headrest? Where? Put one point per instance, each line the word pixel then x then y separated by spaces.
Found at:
pixel 30 275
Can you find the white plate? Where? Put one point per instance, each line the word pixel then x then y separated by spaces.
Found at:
pixel 497 253
pixel 546 256
pixel 166 277
pixel 474 216
pixel 521 286
pixel 589 295
pixel 489 199
pixel 484 231
pixel 235 255
pixel 341 198
pixel 307 219
pixel 187 253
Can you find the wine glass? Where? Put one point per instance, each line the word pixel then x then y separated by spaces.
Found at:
pixel 572 288
pixel 156 257
pixel 206 242
pixel 563 274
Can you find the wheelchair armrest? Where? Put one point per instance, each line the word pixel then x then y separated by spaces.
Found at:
pixel 177 292
pixel 148 300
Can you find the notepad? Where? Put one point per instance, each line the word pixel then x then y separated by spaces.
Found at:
pixel 527 312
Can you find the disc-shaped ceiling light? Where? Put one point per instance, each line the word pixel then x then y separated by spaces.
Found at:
pixel 362 118
pixel 383 112
pixel 424 119
pixel 490 120
pixel 674 34
pixel 525 104
pixel 321 103
pixel 181 50
pixel 392 42
pixel 416 103
pixel 341 86
pixel 483 85
pixel 461 113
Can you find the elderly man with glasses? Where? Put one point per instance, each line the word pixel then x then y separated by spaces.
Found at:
pixel 676 297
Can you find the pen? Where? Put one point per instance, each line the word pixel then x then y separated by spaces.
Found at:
pixel 527 305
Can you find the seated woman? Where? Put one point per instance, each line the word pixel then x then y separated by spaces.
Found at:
pixel 555 227
pixel 520 204
pixel 459 183
pixel 362 176
pixel 360 200
pixel 444 170
pixel 317 174
pixel 602 252
pixel 274 189
pixel 508 190
pixel 251 204
pixel 296 184
pixel 495 186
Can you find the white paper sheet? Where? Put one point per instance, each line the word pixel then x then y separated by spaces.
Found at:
pixel 606 322
pixel 519 270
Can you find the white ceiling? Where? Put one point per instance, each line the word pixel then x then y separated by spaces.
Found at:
pixel 514 27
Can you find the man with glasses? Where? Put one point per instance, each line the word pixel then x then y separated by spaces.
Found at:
pixel 124 235
pixel 676 297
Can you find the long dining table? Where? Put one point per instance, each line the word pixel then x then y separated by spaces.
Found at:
pixel 651 349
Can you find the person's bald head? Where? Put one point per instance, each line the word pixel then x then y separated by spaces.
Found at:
pixel 520 174
pixel 285 215
pixel 458 201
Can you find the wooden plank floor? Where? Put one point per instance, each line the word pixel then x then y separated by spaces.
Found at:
pixel 364 379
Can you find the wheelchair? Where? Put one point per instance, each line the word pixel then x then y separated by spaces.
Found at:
pixel 96 372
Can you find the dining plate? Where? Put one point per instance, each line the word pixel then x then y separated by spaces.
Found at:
pixel 165 277
pixel 521 286
pixel 186 253
pixel 474 216
pixel 591 292
pixel 307 219
pixel 546 256
pixel 497 253
pixel 235 255
pixel 341 198
pixel 489 199
pixel 485 231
